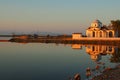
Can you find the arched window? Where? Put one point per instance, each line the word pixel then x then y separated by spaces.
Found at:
pixel 110 34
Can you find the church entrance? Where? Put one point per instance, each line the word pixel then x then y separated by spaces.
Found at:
pixel 110 34
pixel 93 34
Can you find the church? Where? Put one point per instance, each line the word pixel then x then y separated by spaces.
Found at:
pixel 97 30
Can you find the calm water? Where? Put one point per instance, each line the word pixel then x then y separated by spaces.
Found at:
pixel 39 61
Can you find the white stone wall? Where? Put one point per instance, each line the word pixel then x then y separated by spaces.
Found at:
pixel 76 36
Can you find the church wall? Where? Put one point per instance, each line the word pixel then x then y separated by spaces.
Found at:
pixel 89 33
pixel 100 33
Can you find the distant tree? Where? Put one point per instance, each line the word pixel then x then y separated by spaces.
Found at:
pixel 48 36
pixel 30 36
pixel 35 36
pixel 115 24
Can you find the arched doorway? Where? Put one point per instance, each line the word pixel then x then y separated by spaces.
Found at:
pixel 93 34
pixel 110 34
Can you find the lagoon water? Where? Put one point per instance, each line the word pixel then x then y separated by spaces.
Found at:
pixel 40 61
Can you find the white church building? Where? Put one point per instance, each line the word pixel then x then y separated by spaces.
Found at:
pixel 98 30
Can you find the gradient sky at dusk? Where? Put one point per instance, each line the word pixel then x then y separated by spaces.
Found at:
pixel 61 16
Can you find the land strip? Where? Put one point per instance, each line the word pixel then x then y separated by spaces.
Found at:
pixel 106 41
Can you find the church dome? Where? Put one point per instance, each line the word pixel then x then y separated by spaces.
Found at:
pixel 96 24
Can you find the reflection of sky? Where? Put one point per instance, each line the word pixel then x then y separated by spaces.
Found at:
pixel 43 61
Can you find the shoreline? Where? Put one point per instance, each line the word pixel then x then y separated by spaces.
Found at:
pixel 98 41
pixel 109 74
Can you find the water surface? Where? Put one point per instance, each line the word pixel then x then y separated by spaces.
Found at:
pixel 39 61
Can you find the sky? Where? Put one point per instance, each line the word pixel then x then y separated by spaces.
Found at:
pixel 57 16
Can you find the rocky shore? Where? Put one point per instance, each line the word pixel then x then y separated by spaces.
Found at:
pixel 109 74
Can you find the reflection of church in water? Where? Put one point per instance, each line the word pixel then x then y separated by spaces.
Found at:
pixel 96 51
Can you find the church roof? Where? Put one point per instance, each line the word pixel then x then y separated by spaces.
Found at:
pixel 104 28
pixel 96 24
pixel 96 21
